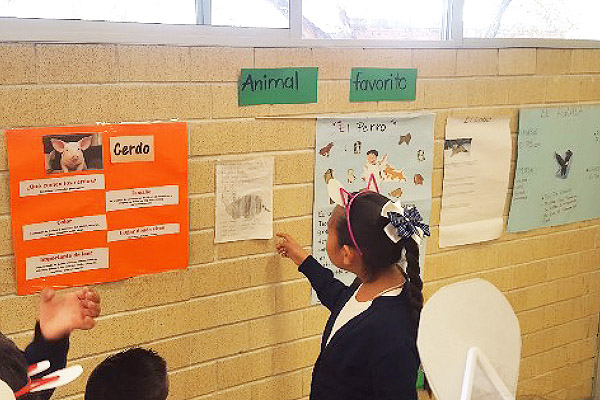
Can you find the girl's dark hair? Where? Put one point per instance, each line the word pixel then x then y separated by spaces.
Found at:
pixel 379 252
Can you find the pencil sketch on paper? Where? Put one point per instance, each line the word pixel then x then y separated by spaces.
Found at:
pixel 244 200
pixel 248 206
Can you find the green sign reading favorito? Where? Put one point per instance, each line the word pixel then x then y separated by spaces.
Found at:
pixel 374 84
pixel 278 86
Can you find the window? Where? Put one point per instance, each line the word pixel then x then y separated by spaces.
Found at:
pixel 280 23
pixel 374 19
pixel 240 13
pixel 548 19
pixel 250 13
pixel 145 11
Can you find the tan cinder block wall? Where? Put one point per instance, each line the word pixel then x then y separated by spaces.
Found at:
pixel 237 324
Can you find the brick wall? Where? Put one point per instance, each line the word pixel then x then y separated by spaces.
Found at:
pixel 237 323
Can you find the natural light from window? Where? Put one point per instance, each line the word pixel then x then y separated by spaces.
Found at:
pixel 548 19
pixel 145 11
pixel 389 20
pixel 374 19
pixel 251 13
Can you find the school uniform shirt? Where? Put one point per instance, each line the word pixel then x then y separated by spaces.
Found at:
pixel 353 308
pixel 373 356
pixel 54 351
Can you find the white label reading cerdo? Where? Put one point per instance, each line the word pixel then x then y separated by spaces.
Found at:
pixel 125 149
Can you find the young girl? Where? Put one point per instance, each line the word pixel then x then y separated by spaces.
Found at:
pixel 368 349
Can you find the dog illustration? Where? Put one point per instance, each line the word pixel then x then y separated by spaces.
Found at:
pixel 326 150
pixel 394 174
pixel 328 175
pixel 405 139
pixel 396 192
pixel 351 176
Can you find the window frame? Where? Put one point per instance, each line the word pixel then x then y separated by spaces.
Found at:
pixel 86 32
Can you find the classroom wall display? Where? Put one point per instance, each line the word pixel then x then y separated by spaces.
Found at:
pixel 557 179
pixel 277 86
pixel 383 84
pixel 95 204
pixel 397 150
pixel 244 199
pixel 477 153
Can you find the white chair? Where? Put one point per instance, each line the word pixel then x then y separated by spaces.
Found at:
pixel 470 343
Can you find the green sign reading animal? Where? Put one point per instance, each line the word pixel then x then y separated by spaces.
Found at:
pixel 278 86
pixel 375 84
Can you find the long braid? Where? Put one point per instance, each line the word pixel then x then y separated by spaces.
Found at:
pixel 415 284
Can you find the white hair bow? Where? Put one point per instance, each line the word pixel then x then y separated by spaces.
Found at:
pixel 404 223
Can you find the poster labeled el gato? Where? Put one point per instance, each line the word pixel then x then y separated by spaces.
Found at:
pixel 95 204
pixel 396 150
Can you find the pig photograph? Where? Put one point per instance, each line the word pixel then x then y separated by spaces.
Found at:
pixel 72 153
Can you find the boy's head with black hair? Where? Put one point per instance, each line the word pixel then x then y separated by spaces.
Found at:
pixel 13 367
pixel 133 374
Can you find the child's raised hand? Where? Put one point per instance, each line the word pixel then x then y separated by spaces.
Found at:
pixel 61 315
pixel 291 249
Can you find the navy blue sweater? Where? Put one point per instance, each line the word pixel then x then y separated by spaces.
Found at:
pixel 372 357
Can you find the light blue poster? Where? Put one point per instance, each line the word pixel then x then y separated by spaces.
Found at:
pixel 557 180
pixel 398 151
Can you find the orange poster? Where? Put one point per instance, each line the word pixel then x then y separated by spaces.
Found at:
pixel 97 204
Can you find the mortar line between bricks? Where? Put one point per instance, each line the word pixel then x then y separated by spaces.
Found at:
pixel 237 156
pixel 514 240
pixel 556 303
pixel 209 330
pixel 587 317
pixel 250 383
pixel 560 348
pixel 438 253
pixel 192 333
pixel 555 369
pixel 124 313
pixel 501 268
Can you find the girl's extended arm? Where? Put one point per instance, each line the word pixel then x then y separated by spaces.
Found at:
pixel 328 288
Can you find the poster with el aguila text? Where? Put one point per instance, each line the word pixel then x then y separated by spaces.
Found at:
pixel 557 180
pixel 95 204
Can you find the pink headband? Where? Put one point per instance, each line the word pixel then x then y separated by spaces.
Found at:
pixel 348 199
